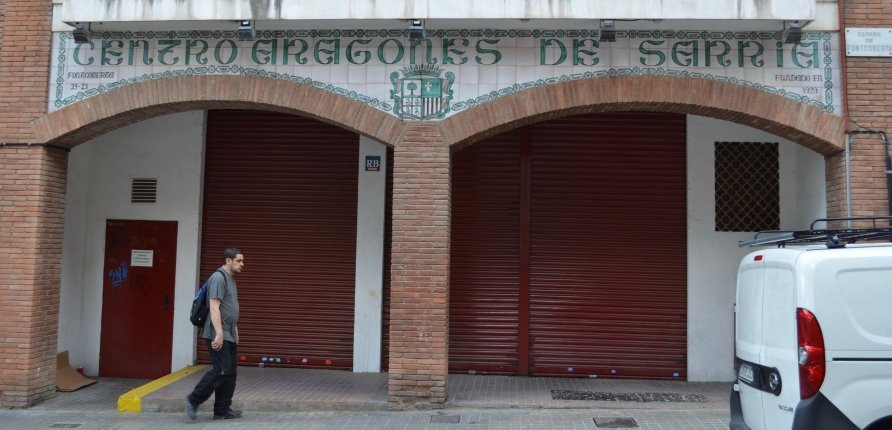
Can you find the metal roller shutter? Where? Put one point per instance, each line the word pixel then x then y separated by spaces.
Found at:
pixel 608 268
pixel 388 230
pixel 569 249
pixel 484 276
pixel 283 189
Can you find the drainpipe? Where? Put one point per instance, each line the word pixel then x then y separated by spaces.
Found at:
pixel 842 62
pixel 848 179
pixel 885 139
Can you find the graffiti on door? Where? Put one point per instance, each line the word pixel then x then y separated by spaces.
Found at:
pixel 118 275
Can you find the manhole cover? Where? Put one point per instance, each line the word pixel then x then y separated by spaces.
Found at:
pixel 446 419
pixel 626 397
pixel 616 423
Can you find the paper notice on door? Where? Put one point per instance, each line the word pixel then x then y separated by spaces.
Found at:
pixel 141 257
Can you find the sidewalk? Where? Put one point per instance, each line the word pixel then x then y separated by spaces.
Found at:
pixel 294 390
pixel 450 419
pixel 306 398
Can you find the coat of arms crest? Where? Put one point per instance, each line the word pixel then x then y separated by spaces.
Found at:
pixel 421 93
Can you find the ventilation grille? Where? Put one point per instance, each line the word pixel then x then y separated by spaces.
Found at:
pixel 747 186
pixel 144 190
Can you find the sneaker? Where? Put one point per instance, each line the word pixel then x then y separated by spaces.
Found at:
pixel 230 415
pixel 191 410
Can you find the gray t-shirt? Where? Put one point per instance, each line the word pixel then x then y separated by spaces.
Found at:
pixel 222 286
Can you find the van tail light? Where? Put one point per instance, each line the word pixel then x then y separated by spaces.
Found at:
pixel 812 366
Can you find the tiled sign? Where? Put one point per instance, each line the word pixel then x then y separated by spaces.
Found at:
pixel 449 71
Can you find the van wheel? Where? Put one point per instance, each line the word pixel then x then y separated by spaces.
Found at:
pixel 882 424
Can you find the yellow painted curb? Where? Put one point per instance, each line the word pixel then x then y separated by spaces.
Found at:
pixel 131 401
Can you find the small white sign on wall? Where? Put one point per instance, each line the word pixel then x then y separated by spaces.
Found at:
pixel 869 42
pixel 141 257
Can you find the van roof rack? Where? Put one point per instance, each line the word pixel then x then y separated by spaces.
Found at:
pixel 832 237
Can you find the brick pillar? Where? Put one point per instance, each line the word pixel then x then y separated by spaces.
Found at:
pixel 24 66
pixel 32 199
pixel 32 205
pixel 869 89
pixel 419 295
pixel 836 185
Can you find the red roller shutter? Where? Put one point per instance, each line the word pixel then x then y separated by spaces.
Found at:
pixel 484 263
pixel 608 259
pixel 388 230
pixel 603 234
pixel 283 189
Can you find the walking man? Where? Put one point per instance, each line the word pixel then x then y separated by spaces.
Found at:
pixel 221 335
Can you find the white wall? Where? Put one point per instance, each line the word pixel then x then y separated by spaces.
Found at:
pixel 170 148
pixel 713 256
pixel 369 291
pixel 160 10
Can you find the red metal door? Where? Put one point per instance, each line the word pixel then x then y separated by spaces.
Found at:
pixel 137 298
pixel 568 252
pixel 485 256
pixel 283 188
pixel 608 288
pixel 388 230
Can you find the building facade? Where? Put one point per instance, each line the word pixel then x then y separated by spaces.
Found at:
pixel 528 188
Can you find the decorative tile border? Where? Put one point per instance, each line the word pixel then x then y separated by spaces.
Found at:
pixel 78 78
pixel 638 71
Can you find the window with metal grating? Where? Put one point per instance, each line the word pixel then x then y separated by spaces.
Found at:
pixel 747 186
pixel 144 190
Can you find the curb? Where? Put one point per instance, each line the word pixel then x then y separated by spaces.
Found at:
pixel 131 401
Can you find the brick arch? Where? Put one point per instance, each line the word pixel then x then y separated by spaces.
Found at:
pixel 807 125
pixel 84 120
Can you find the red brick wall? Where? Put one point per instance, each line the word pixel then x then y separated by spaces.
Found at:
pixel 81 122
pixel 24 67
pixel 869 90
pixel 867 13
pixel 32 183
pixel 32 186
pixel 806 125
pixel 2 20
pixel 419 297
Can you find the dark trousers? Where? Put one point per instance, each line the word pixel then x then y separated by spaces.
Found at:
pixel 219 381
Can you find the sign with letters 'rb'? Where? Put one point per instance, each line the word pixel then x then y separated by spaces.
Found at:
pixel 372 163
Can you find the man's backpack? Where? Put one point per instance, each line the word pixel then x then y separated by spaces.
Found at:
pixel 200 306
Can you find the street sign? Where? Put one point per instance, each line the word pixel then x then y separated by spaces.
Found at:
pixel 869 42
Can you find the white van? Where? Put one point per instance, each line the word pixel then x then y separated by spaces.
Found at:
pixel 813 332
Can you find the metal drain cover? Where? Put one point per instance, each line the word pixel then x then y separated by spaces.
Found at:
pixel 445 419
pixel 616 423
pixel 626 397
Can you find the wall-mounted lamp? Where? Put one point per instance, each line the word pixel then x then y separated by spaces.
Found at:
pixel 792 33
pixel 245 30
pixel 416 29
pixel 82 32
pixel 607 32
